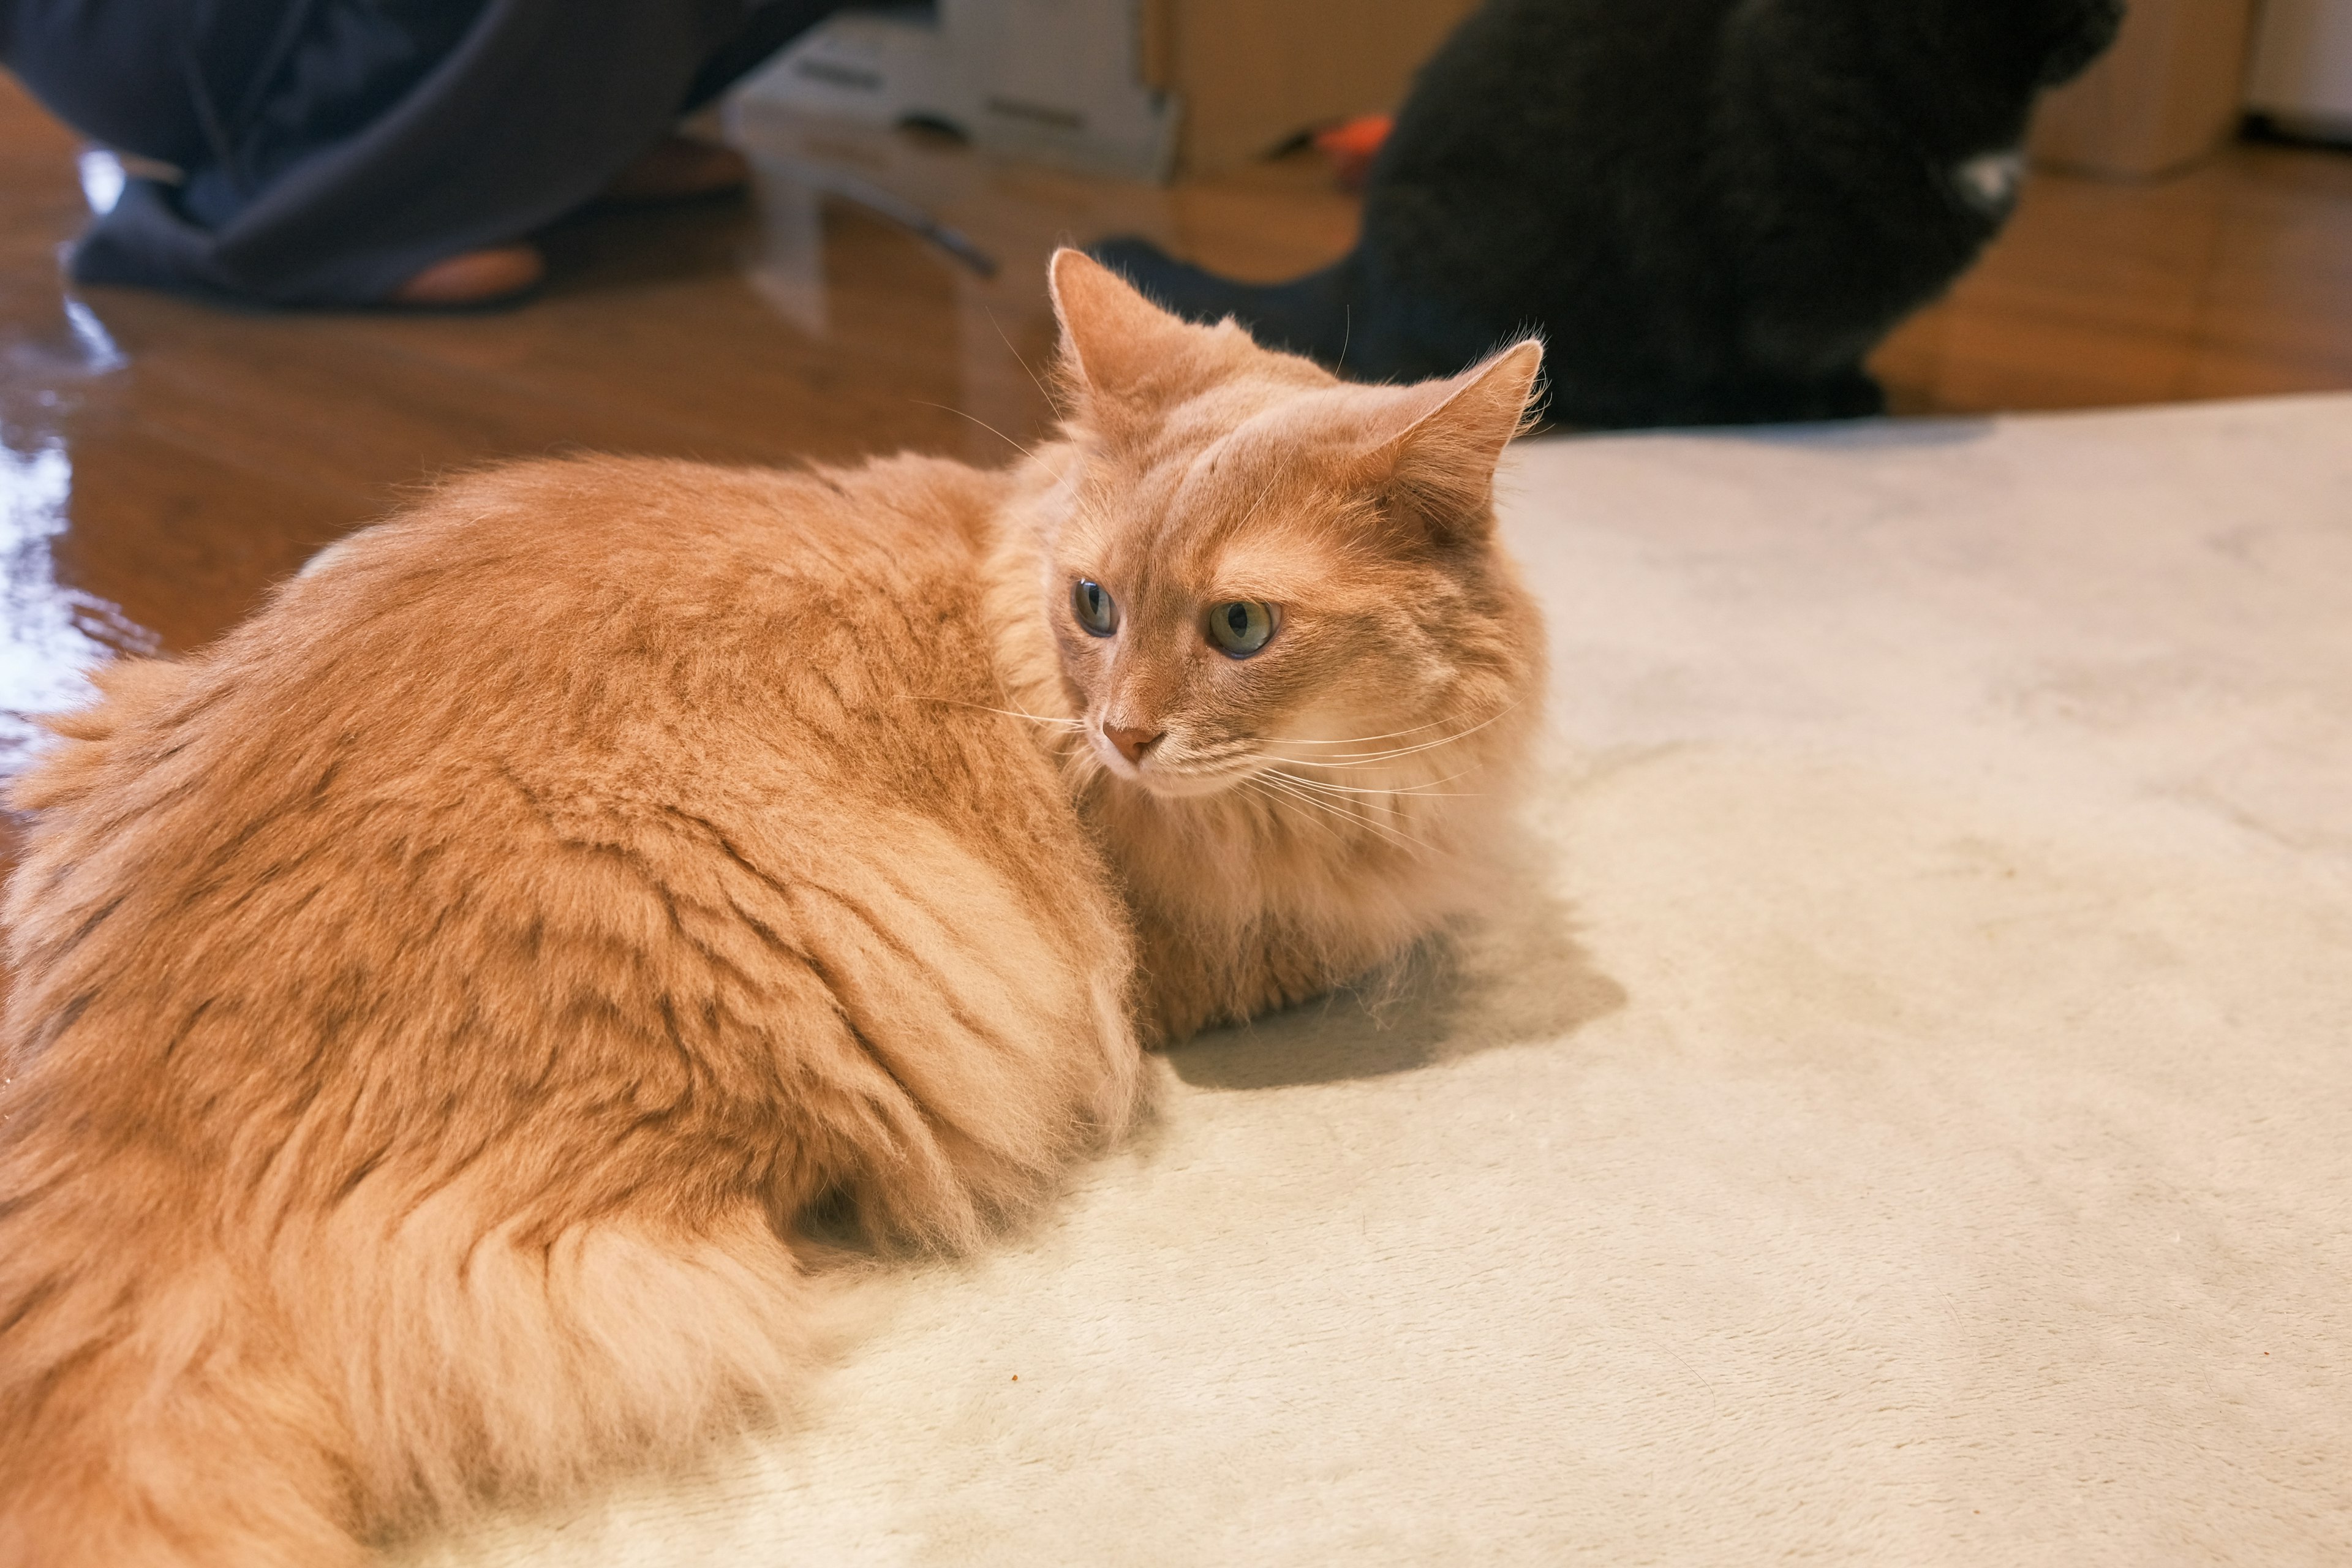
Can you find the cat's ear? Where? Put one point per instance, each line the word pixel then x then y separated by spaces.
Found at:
pixel 1438 462
pixel 1115 344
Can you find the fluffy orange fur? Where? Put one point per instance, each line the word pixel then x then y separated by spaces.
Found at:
pixel 435 1003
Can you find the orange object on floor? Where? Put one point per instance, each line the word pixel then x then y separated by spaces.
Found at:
pixel 1351 145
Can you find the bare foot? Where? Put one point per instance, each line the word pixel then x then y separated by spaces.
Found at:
pixel 475 277
pixel 678 167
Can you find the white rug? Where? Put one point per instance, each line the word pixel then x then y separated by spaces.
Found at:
pixel 1906 1116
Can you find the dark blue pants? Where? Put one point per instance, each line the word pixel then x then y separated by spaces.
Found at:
pixel 332 148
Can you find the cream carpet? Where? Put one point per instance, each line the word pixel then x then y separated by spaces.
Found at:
pixel 1904 1115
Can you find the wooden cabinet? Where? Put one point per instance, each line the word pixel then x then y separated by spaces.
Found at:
pixel 2168 92
pixel 1249 75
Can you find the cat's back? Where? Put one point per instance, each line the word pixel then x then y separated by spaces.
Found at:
pixel 642 740
pixel 691 576
pixel 590 640
pixel 598 615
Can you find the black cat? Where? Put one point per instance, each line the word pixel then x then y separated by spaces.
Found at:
pixel 1712 209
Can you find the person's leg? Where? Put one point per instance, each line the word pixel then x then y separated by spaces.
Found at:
pixel 684 166
pixel 538 107
pixel 227 93
pixel 120 71
pixel 768 26
pixel 336 68
pixel 339 69
pixel 678 167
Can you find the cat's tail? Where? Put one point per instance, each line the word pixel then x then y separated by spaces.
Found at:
pixel 1313 315
pixel 173 1396
pixel 149 1414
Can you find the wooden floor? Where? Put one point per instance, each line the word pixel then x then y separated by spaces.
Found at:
pixel 2233 279
pixel 163 462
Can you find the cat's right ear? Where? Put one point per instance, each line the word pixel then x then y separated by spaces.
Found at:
pixel 1117 345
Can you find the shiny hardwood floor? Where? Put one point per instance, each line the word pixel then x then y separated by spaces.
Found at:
pixel 163 462
pixel 2231 279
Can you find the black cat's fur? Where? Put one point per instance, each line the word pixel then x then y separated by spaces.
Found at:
pixel 1712 209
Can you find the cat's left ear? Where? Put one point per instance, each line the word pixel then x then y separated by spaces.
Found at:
pixel 1441 464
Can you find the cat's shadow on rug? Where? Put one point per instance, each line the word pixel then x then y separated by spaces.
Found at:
pixel 1515 977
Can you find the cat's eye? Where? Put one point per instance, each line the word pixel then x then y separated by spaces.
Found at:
pixel 1094 609
pixel 1240 627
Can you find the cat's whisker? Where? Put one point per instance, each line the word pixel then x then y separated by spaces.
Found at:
pixel 1284 810
pixel 1425 790
pixel 1237 754
pixel 1395 839
pixel 1371 814
pixel 1425 786
pixel 1245 769
pixel 1391 735
pixel 1351 740
pixel 1276 804
pixel 1366 759
pixel 1358 759
pixel 1052 401
pixel 1262 496
pixel 1289 805
pixel 983 424
pixel 1348 811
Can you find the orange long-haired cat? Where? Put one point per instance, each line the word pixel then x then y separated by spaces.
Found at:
pixel 435 1003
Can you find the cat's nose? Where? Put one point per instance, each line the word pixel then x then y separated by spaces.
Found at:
pixel 1132 743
